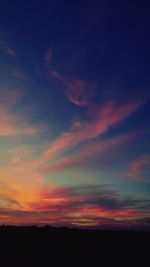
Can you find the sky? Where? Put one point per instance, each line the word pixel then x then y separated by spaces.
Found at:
pixel 74 113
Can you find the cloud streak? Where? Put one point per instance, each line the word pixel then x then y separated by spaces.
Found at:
pixel 5 48
pixel 103 119
pixel 138 165
pixel 48 56
pixel 84 155
pixel 12 123
pixel 78 92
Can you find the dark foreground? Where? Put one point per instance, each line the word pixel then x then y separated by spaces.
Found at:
pixel 32 246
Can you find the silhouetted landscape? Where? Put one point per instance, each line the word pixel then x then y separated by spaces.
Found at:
pixel 50 246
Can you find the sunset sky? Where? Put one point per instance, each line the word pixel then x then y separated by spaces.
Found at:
pixel 75 113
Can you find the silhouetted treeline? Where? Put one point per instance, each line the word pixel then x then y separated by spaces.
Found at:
pixel 50 246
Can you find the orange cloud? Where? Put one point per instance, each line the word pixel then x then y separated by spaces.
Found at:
pixel 12 124
pixel 61 206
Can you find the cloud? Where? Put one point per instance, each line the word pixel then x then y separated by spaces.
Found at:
pixel 88 205
pixel 137 165
pixel 20 184
pixel 78 92
pixel 86 153
pixel 9 98
pixel 12 123
pixel 97 206
pixel 48 56
pixel 4 47
pixel 16 73
pixel 105 117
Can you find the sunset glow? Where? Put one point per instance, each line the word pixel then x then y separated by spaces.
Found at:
pixel 74 116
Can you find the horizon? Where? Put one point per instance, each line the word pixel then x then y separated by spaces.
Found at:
pixel 74 114
pixel 80 228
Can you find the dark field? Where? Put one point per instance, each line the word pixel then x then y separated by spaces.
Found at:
pixel 47 246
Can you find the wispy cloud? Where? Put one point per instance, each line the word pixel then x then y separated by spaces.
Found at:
pixel 27 196
pixel 5 48
pixel 102 119
pixel 48 56
pixel 12 124
pixel 137 165
pixel 16 73
pixel 85 154
pixel 78 91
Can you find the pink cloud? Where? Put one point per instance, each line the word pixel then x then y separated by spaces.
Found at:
pixel 86 153
pixel 81 92
pixel 139 163
pixel 102 119
pixel 78 91
pixel 136 166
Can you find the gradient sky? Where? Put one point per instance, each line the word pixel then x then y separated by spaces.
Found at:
pixel 74 113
